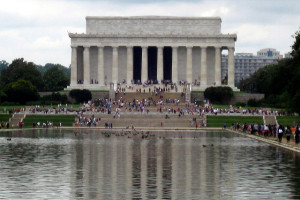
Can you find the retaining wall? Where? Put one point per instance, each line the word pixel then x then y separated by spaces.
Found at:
pixel 237 97
pixel 95 95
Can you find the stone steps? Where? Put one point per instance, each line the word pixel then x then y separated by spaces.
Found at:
pixel 142 116
pixel 147 120
pixel 16 118
pixel 270 120
pixel 146 123
pixel 134 88
pixel 139 96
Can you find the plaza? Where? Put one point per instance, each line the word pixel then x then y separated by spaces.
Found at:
pixel 150 50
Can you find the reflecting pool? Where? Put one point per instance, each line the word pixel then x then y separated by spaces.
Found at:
pixel 87 164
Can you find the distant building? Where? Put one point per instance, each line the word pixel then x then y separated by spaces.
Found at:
pixel 245 64
pixel 269 52
pixel 287 55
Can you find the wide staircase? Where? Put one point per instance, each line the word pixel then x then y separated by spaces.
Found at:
pixel 129 97
pixel 16 118
pixel 135 88
pixel 144 120
pixel 270 120
pixel 156 118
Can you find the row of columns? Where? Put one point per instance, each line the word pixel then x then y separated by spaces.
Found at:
pixel 144 70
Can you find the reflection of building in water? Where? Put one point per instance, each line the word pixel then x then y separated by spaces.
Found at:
pixel 159 168
pixel 144 159
pixel 128 171
pixel 172 168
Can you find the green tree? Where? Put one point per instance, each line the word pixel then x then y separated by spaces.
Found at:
pixel 43 69
pixel 54 98
pixel 21 91
pixel 279 82
pixel 20 69
pixel 55 79
pixel 3 65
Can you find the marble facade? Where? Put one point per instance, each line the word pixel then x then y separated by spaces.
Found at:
pixel 105 53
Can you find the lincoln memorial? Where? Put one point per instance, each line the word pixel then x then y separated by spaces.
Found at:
pixel 150 49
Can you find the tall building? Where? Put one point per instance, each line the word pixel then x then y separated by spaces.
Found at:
pixel 245 64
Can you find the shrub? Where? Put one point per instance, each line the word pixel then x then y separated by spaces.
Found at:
pixel 254 103
pixel 242 104
pixel 218 94
pixel 81 96
pixel 199 103
pixel 21 91
pixel 54 98
pixel 6 103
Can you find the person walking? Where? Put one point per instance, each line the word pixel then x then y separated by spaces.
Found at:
pixel 297 135
pixel 280 133
pixel 288 134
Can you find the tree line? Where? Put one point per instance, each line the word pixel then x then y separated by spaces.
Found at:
pixel 279 82
pixel 21 81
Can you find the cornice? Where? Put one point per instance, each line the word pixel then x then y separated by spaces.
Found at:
pixel 83 35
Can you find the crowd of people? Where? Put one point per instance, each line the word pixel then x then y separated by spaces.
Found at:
pixel 276 131
pixel 82 120
pixel 145 89
pixel 165 105
pixel 53 109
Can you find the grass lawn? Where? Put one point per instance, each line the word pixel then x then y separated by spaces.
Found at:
pixel 66 120
pixel 288 120
pixel 217 121
pixel 195 92
pixel 4 117
pixel 220 106
pixel 99 90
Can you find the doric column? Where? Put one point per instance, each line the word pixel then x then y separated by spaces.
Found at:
pixel 74 78
pixel 129 64
pixel 114 77
pixel 144 71
pixel 218 66
pixel 231 67
pixel 100 65
pixel 174 65
pixel 160 65
pixel 189 64
pixel 86 65
pixel 203 74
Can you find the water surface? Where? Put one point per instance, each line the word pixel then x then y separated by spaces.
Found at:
pixel 68 164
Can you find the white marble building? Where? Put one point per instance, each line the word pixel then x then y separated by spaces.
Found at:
pixel 130 49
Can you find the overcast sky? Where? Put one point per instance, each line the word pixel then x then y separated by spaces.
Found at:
pixel 37 30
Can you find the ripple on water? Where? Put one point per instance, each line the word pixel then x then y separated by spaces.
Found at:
pixel 205 165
